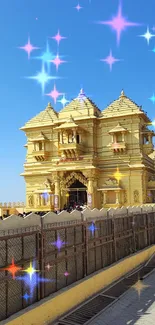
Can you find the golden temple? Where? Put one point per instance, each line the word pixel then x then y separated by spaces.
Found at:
pixel 82 154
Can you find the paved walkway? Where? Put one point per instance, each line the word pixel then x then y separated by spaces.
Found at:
pixel 131 309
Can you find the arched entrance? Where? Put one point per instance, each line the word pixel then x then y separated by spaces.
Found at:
pixel 77 194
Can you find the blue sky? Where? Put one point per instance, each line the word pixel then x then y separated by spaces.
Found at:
pixel 87 42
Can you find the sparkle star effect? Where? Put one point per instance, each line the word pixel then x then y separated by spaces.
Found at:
pixel 43 78
pixel 46 57
pixel 147 35
pixel 58 37
pixel 78 7
pixel 152 99
pixel 58 243
pixel 92 228
pixel 57 61
pixel 119 23
pixel 48 266
pixel 66 274
pixel 110 60
pixel 153 50
pixel 13 269
pixel 26 296
pixel 63 100
pixel 30 270
pixel 28 48
pixel 139 286
pixel 54 94
pixel 118 175
pixel 32 282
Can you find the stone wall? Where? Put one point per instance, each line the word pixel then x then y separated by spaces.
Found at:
pixel 34 220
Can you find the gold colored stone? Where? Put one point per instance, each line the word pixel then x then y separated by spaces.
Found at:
pixel 110 152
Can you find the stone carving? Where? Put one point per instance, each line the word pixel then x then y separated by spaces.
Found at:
pixel 136 196
pixel 47 183
pixel 125 196
pixel 111 182
pixel 70 179
pixel 30 200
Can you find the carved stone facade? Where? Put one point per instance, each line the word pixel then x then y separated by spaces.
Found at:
pixel 136 196
pixel 105 150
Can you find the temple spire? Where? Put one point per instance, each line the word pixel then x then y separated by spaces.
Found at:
pixel 81 93
pixel 122 95
pixel 49 106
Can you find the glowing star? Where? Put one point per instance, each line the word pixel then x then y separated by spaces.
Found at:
pixel 92 228
pixel 66 274
pixel 63 101
pixel 58 37
pixel 147 36
pixel 48 266
pixel 57 61
pixel 54 94
pixel 43 78
pixel 78 7
pixel 27 296
pixel 110 60
pixel 28 48
pixel 153 123
pixel 118 23
pixel 58 243
pixel 46 57
pixel 118 175
pixel 32 282
pixel 152 99
pixel 13 269
pixel 153 50
pixel 30 271
pixel 139 286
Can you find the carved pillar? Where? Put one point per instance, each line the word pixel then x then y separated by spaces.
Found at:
pixel 117 197
pixel 112 137
pixel 74 135
pixel 123 136
pixel 90 193
pixel 57 194
pixel 42 200
pixel 150 138
pixel 61 137
pixel 38 200
pixel 35 201
pixel 104 197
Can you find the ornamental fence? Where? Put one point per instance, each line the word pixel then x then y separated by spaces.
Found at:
pixel 63 254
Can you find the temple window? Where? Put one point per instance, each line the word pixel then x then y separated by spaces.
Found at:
pixel 40 146
pixel 119 137
pixel 70 137
pixel 77 138
pixel 146 139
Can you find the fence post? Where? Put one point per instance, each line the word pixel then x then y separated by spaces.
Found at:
pixel 85 240
pixel 42 258
pixel 134 234
pixel 147 229
pixel 114 238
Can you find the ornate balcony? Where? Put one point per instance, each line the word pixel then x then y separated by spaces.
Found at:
pixel 148 148
pixel 40 155
pixel 118 146
pixel 71 149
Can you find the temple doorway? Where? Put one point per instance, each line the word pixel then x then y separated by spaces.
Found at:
pixel 77 194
